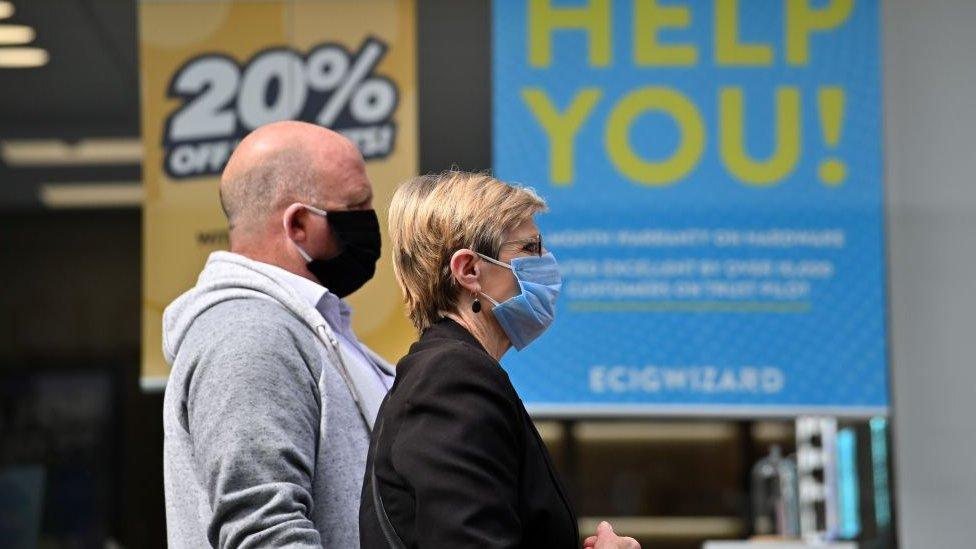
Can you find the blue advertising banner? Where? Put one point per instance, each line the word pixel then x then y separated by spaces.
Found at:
pixel 713 171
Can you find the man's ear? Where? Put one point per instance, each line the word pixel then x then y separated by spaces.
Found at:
pixel 295 220
pixel 465 268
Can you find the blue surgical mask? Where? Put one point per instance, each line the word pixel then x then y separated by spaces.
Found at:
pixel 526 316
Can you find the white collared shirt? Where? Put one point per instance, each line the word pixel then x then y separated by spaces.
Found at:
pixel 338 315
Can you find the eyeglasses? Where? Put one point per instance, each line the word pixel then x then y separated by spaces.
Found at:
pixel 531 245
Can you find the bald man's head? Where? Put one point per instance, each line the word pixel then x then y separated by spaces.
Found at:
pixel 287 162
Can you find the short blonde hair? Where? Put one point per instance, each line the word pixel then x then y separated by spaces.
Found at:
pixel 433 216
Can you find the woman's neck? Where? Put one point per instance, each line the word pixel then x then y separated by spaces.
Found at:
pixel 488 333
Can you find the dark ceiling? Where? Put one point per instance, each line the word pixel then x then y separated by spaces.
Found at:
pixel 88 89
pixel 90 85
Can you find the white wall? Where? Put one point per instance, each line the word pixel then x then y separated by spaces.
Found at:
pixel 930 148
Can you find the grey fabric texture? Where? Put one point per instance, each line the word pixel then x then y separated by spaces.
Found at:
pixel 265 443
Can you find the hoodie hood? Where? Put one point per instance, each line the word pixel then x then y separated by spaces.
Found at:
pixel 227 276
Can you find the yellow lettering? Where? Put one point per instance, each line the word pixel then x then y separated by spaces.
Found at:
pixel 690 145
pixel 732 137
pixel 649 18
pixel 593 18
pixel 802 21
pixel 728 49
pixel 561 127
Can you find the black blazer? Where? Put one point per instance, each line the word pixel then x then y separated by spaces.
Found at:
pixel 458 462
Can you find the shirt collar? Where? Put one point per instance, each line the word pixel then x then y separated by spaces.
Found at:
pixel 310 291
pixel 335 311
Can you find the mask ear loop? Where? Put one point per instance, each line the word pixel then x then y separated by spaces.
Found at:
pixel 317 211
pixel 303 253
pixel 495 261
pixel 489 298
pixel 483 294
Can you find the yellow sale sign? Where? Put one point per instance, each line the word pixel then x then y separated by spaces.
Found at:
pixel 212 71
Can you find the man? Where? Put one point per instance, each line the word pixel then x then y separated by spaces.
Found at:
pixel 271 397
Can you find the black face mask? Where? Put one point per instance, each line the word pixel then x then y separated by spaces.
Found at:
pixel 358 232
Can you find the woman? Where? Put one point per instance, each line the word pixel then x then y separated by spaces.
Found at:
pixel 454 459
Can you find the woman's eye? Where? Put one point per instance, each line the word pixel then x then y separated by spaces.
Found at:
pixel 532 248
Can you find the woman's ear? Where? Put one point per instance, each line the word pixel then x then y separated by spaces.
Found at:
pixel 294 220
pixel 465 268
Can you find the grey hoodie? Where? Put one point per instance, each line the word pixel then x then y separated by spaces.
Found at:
pixel 265 434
